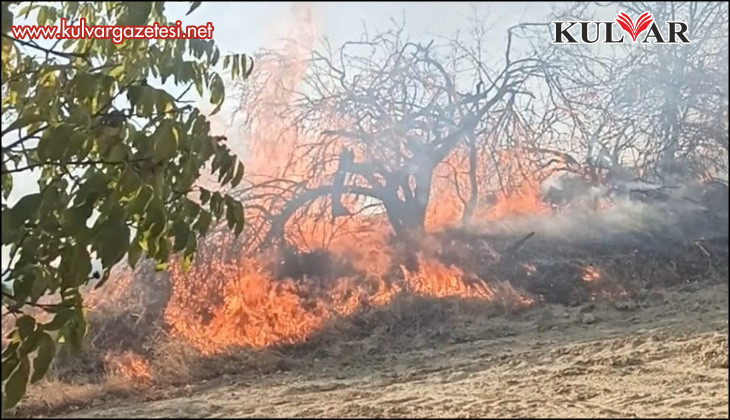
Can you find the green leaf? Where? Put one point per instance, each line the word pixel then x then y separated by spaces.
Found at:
pixel 181 231
pixel 27 207
pixel 198 85
pixel 16 384
pixel 75 266
pixel 134 95
pixel 215 204
pixel 235 67
pixel 155 220
pixel 215 57
pixel 163 253
pixel 240 219
pixel 46 351
pixel 77 145
pixel 193 5
pixel 25 119
pixel 7 182
pixel 145 166
pixel 135 251
pixel 231 209
pixel 59 320
pixel 53 142
pixel 164 102
pixel 141 200
pixel 217 92
pixel 76 217
pixel 187 262
pixel 25 325
pixel 9 364
pixel 203 222
pixel 166 140
pixel 239 175
pixel 139 12
pixel 12 226
pixel 246 66
pixel 130 183
pixel 42 282
pixel 204 195
pixel 112 241
pixel 23 284
pixel 7 18
pixel 117 71
pixel 74 332
pixel 30 343
pixel 42 15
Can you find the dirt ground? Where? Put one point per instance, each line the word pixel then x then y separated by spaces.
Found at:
pixel 665 355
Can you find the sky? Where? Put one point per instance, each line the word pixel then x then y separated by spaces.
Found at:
pixel 242 27
pixel 246 27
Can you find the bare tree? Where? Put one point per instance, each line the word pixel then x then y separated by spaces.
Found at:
pixel 376 125
pixel 659 109
pixel 375 118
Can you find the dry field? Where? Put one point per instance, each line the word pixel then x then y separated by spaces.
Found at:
pixel 665 355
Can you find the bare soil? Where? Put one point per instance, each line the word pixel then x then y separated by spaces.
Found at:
pixel 663 355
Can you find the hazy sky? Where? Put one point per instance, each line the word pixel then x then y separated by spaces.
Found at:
pixel 248 27
pixel 245 27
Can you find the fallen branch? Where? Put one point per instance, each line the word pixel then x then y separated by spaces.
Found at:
pixel 512 249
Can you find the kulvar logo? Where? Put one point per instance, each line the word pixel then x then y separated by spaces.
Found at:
pixel 607 32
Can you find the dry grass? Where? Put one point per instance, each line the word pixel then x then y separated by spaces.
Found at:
pixel 52 396
pixel 152 360
pixel 128 349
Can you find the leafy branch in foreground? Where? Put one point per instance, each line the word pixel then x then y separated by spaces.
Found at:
pixel 115 159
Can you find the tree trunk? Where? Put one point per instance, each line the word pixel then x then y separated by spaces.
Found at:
pixel 471 205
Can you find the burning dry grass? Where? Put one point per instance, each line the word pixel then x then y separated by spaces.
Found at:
pixel 130 366
pixel 237 309
pixel 169 329
pixel 258 310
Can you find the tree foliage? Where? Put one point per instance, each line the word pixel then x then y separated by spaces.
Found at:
pixel 115 158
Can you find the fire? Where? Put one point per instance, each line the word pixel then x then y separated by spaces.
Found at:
pixel 591 273
pixel 259 311
pixel 231 297
pixel 130 366
pixel 433 279
pixel 240 302
pixel 517 193
pixel 524 200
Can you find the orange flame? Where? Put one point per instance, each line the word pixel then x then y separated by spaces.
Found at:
pixel 223 302
pixel 590 274
pixel 130 366
pixel 259 311
pixel 220 304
